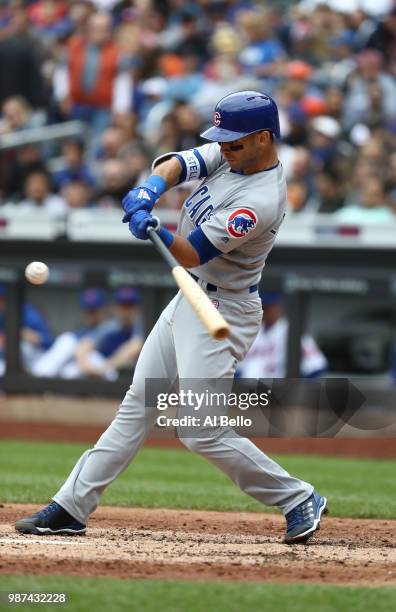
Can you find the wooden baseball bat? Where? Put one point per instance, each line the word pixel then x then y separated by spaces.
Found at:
pixel 214 322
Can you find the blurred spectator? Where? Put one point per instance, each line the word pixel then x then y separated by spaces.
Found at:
pixel 16 115
pixel 137 163
pixel 301 37
pixel 301 168
pixel 20 61
pixel 59 359
pixel 128 123
pixel 91 79
pixel 314 105
pixel 391 180
pixel 374 152
pixel 362 24
pixel 184 87
pixel 112 142
pixel 334 102
pixel 371 207
pixel 115 184
pixel 167 137
pixel 323 140
pixel 262 55
pixel 383 40
pixel 119 342
pixel 296 131
pixel 363 172
pixel 267 357
pixel 192 40
pixel 38 195
pixel 154 105
pixel 179 129
pixel 297 195
pixel 369 89
pixel 226 45
pixel 189 125
pixel 343 62
pixel 73 166
pixel 298 70
pixel 175 198
pixel 329 192
pixel 35 333
pixel 79 14
pixel 16 166
pixel 50 18
pixel 77 194
pixel 145 76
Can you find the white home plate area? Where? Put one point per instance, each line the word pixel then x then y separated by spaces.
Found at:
pixel 136 542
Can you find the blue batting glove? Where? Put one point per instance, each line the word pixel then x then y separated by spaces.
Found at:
pixel 139 223
pixel 143 197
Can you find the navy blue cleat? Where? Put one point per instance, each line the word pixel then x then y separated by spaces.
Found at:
pixel 304 519
pixel 51 520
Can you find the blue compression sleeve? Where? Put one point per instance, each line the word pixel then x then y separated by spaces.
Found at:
pixel 205 249
pixel 166 236
pixel 156 183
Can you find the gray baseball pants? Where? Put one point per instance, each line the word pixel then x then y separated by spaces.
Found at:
pixel 180 347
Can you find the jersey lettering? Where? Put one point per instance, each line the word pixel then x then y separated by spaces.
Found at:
pixel 195 203
pixel 192 166
pixel 204 215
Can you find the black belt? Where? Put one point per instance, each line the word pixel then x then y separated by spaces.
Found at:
pixel 210 287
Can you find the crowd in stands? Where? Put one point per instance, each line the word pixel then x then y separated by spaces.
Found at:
pixel 144 77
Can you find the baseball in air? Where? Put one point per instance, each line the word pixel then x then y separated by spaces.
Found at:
pixel 37 272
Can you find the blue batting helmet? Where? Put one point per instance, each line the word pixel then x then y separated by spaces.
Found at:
pixel 242 113
pixel 127 296
pixel 92 299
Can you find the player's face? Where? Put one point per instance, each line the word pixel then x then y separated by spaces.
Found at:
pixel 244 155
pixel 127 313
pixel 95 316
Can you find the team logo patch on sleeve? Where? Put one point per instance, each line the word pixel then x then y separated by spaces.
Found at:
pixel 241 222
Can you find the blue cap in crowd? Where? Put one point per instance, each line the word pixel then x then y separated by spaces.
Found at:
pixel 90 299
pixel 296 113
pixel 346 37
pixel 127 296
pixel 269 298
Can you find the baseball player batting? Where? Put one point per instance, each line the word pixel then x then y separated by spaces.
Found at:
pixel 226 230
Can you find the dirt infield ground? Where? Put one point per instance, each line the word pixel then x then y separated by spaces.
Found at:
pixel 184 544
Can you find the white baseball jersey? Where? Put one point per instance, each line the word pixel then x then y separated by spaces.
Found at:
pixel 267 355
pixel 239 214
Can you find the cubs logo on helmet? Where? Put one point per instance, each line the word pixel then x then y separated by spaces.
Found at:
pixel 241 222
